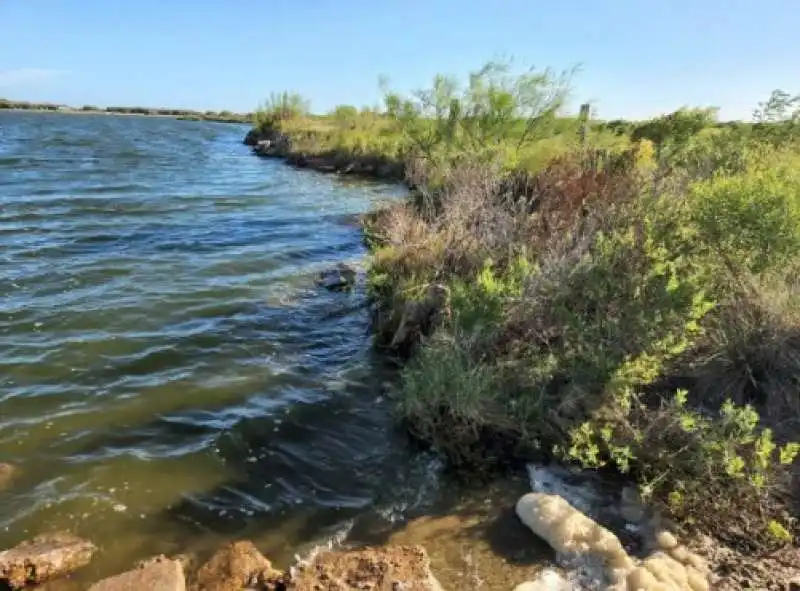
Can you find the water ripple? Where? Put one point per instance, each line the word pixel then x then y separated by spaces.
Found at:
pixel 164 346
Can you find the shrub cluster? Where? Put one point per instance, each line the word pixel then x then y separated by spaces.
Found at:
pixel 618 295
pixel 634 309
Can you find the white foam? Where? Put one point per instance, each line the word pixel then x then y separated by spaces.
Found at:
pixel 582 572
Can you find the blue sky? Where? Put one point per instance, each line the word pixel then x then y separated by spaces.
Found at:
pixel 638 57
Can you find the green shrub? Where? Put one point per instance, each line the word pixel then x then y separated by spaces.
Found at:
pixel 751 221
pixel 701 469
pixel 280 107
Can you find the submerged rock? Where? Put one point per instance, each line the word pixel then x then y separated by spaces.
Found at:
pixel 237 566
pixel 253 137
pixel 275 145
pixel 157 574
pixel 391 568
pixel 7 474
pixel 44 557
pixel 338 278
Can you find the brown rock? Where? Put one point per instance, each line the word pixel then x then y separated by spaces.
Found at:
pixel 7 473
pixel 418 316
pixel 44 557
pixel 379 569
pixel 158 574
pixel 234 567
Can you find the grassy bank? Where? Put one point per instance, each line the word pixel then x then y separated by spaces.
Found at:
pixel 616 295
pixel 186 114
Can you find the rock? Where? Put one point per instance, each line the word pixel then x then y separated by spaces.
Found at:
pixel 7 474
pixel 275 145
pixel 236 566
pixel 338 278
pixel 419 315
pixel 548 580
pixel 44 557
pixel 390 568
pixel 157 574
pixel 253 136
pixel 262 146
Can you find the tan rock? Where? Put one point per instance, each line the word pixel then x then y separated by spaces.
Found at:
pixel 158 574
pixel 234 567
pixel 389 568
pixel 44 557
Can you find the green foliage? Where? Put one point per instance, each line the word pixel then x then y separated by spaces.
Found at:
pixel 279 107
pixel 676 129
pixel 699 467
pixel 750 220
pixel 495 113
pixel 577 289
pixel 777 120
pixel 345 115
pixel 479 305
pixel 445 376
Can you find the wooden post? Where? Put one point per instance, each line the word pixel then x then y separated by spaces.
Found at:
pixel 583 117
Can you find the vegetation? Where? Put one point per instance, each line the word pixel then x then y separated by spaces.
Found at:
pixel 618 295
pixel 224 116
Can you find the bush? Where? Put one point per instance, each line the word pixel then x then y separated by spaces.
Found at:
pixel 497 114
pixel 751 221
pixel 717 471
pixel 280 107
pixel 573 296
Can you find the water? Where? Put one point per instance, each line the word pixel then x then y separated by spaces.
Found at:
pixel 170 375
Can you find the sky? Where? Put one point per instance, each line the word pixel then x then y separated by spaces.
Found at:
pixel 637 58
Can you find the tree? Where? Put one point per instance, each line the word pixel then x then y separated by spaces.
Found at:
pixel 676 128
pixel 777 120
pixel 497 109
pixel 281 106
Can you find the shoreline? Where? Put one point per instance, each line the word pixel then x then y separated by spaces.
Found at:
pixel 275 144
pixel 182 116
pixel 415 562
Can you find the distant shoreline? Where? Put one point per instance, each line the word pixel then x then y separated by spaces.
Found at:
pixel 182 114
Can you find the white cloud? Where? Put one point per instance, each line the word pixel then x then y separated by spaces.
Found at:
pixel 29 76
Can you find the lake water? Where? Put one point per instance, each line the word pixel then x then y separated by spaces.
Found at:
pixel 170 375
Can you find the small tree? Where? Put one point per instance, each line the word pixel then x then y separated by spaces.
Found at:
pixel 497 110
pixel 777 120
pixel 281 106
pixel 676 128
pixel 345 115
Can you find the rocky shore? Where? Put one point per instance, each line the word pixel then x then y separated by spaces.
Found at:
pixel 580 538
pixel 240 565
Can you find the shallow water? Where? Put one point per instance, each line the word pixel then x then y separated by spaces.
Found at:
pixel 170 375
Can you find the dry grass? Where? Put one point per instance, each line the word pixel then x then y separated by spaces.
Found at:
pixel 751 352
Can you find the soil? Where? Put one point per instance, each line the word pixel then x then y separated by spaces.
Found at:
pixel 733 571
pixel 377 569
